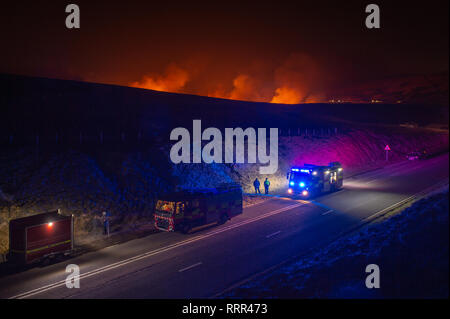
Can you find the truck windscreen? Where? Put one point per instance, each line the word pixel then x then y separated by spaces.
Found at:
pixel 300 177
pixel 166 207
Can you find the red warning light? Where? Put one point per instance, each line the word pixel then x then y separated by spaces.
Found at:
pixel 50 225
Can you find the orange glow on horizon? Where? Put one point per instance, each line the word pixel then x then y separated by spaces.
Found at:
pixel 173 80
pixel 286 95
pixel 289 81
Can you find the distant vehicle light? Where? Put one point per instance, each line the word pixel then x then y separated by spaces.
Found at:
pixel 290 190
pixel 50 224
pixel 314 173
pixel 292 183
pixel 340 169
pixel 302 184
pixel 305 193
pixel 327 172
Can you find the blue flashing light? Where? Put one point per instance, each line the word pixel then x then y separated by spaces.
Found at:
pixel 302 184
pixel 295 169
pixel 291 183
pixel 305 171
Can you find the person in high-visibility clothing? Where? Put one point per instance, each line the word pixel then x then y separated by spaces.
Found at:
pixel 256 185
pixel 266 185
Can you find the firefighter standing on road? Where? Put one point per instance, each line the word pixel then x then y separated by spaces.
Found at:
pixel 266 186
pixel 105 218
pixel 256 184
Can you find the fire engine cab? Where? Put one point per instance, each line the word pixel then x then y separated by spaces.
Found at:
pixel 310 180
pixel 189 210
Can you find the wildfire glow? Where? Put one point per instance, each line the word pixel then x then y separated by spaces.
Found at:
pixel 173 80
pixel 287 95
pixel 292 81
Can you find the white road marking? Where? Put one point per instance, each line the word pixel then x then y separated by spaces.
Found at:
pixel 273 234
pixel 240 283
pixel 416 195
pixel 190 267
pixel 328 212
pixel 377 171
pixel 155 252
pixel 258 203
pixel 384 172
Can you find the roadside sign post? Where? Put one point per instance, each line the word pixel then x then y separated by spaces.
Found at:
pixel 387 149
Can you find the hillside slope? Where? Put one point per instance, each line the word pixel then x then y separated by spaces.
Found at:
pixel 48 106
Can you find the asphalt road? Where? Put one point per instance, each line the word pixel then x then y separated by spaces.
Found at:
pixel 204 264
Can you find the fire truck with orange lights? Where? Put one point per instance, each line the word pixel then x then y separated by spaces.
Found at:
pixel 38 237
pixel 310 180
pixel 187 210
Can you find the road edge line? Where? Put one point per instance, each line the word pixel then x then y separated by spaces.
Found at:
pixel 412 198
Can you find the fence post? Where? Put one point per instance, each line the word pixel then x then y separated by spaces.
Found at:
pixel 37 147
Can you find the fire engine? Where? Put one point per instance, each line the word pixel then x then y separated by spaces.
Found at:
pixel 186 210
pixel 310 180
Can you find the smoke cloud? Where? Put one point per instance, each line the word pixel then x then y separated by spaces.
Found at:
pixel 297 80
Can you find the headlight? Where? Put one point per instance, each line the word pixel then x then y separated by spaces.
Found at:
pixel 290 190
pixel 305 193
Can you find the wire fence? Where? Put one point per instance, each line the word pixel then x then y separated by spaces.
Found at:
pixel 125 137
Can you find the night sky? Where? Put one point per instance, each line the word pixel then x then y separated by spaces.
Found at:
pixel 300 51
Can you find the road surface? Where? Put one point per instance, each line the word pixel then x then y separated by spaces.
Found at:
pixel 206 263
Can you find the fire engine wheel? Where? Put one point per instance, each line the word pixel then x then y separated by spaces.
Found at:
pixel 45 261
pixel 223 219
pixel 186 228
